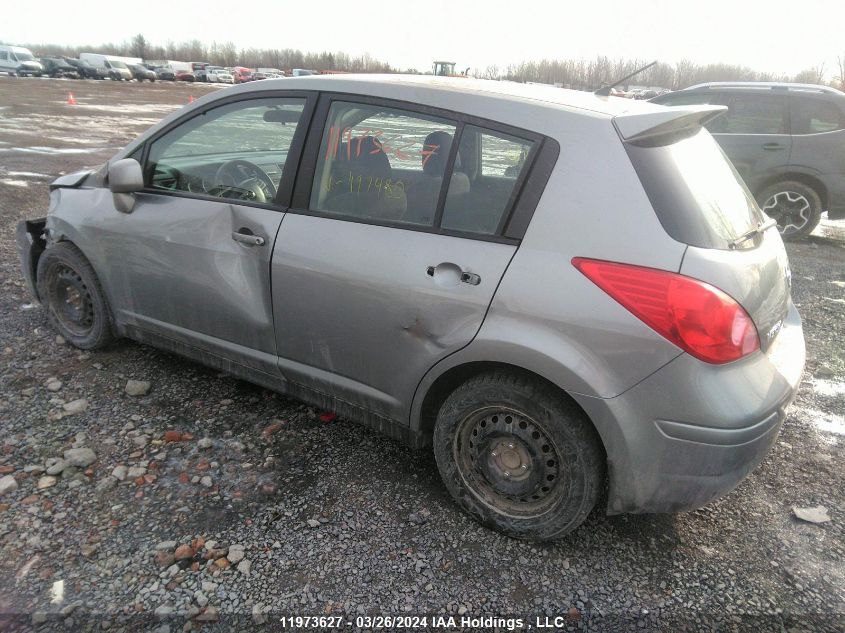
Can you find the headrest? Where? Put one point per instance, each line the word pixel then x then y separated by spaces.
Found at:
pixel 364 154
pixel 436 153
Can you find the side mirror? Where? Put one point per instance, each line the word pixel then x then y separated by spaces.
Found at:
pixel 125 177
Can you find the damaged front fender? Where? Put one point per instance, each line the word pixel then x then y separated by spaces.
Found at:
pixel 31 241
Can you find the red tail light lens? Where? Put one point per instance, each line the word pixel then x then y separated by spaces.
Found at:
pixel 695 316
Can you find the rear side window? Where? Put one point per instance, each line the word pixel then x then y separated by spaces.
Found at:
pixel 752 114
pixel 697 194
pixel 381 163
pixel 812 116
pixel 495 161
pixel 4 55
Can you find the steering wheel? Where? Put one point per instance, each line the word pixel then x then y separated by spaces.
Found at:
pixel 243 180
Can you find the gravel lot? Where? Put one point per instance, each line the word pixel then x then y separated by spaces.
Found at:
pixel 208 502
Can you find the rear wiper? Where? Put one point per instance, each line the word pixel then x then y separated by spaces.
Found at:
pixel 757 230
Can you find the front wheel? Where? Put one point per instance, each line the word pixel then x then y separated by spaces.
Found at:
pixel 75 301
pixel 518 456
pixel 796 207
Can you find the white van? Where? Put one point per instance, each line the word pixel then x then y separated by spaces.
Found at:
pixel 16 60
pixel 116 66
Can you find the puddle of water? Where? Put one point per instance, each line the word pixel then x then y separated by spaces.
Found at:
pixel 26 174
pixel 827 422
pixel 828 388
pixel 49 151
pixel 15 183
pixel 131 108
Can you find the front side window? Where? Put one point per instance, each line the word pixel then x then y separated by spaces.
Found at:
pixel 380 163
pixel 236 151
pixel 753 114
pixel 484 179
pixel 812 116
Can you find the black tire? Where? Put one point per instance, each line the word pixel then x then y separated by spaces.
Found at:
pixel 73 297
pixel 498 442
pixel 796 207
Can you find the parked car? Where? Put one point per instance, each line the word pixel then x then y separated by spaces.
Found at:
pixel 86 70
pixel 16 60
pixel 57 67
pixel 486 293
pixel 164 73
pixel 184 75
pixel 140 73
pixel 241 74
pixel 786 142
pixel 116 69
pixel 219 75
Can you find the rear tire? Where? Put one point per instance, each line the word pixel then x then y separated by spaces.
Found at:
pixel 518 456
pixel 796 207
pixel 75 302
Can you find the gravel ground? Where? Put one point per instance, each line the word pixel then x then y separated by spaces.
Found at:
pixel 204 501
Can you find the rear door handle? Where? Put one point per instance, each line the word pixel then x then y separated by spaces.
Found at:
pixel 773 146
pixel 455 273
pixel 247 238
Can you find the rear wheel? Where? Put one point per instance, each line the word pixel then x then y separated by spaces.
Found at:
pixel 75 302
pixel 796 207
pixel 518 456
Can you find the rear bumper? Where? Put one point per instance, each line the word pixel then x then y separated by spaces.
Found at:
pixel 835 185
pixel 691 431
pixel 30 246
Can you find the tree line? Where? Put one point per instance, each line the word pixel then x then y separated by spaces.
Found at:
pixel 590 74
pixel 580 74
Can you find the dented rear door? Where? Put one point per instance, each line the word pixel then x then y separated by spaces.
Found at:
pixel 363 311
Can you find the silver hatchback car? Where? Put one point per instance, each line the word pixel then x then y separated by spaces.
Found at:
pixel 560 293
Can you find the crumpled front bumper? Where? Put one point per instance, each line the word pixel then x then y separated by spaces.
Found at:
pixel 31 243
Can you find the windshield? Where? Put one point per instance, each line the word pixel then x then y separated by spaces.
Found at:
pixel 697 194
pixel 24 57
pixel 117 64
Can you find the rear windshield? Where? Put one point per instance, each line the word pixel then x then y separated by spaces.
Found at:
pixel 697 194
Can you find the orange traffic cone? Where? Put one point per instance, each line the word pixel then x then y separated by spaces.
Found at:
pixel 70 99
pixel 191 99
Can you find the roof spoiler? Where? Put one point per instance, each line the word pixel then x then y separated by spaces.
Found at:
pixel 652 127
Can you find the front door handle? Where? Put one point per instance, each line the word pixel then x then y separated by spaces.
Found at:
pixel 247 238
pixel 773 146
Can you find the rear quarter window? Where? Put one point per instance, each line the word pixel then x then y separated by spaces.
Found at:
pixel 752 114
pixel 813 116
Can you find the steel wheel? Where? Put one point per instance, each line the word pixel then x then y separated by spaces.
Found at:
pixel 518 455
pixel 72 301
pixel 76 305
pixel 509 461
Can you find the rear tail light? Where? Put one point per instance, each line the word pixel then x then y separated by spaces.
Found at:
pixel 695 316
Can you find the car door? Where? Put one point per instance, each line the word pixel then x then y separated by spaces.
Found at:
pixel 191 262
pixel 755 135
pixel 367 294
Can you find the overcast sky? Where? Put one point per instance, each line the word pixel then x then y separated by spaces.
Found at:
pixel 777 35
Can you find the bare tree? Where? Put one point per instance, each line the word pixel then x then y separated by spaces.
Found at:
pixel 814 75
